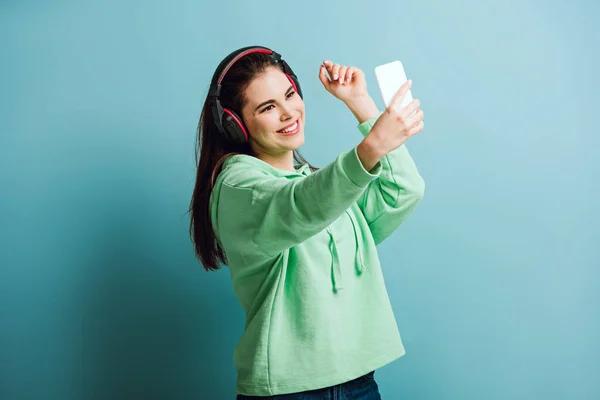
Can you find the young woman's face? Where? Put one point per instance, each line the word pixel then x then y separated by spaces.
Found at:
pixel 273 114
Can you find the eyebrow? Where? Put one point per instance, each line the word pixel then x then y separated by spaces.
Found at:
pixel 264 103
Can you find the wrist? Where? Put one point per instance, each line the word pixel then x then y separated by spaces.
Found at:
pixel 369 152
pixel 363 108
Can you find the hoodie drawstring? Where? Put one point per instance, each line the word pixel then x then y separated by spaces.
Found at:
pixel 336 271
pixel 358 260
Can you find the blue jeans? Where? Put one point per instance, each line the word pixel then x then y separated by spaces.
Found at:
pixel 363 388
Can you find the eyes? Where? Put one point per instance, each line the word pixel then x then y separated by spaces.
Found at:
pixel 268 108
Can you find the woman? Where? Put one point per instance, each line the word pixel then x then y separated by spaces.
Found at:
pixel 299 241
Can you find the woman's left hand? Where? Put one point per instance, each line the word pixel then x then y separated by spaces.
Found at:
pixel 344 82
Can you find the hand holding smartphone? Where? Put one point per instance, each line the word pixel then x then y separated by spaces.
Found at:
pixel 392 129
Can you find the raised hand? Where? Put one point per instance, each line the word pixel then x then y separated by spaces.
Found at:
pixel 344 82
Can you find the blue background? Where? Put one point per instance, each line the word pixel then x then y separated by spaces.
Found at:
pixel 494 279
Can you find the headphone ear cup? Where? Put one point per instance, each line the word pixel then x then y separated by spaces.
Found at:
pixel 233 125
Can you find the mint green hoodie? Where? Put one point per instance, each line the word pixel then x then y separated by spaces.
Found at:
pixel 304 266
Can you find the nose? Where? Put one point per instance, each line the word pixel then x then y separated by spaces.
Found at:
pixel 287 112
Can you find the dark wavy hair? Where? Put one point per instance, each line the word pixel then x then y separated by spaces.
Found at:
pixel 212 149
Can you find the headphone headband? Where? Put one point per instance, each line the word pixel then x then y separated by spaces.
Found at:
pixel 232 58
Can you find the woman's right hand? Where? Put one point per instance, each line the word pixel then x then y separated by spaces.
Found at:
pixel 394 127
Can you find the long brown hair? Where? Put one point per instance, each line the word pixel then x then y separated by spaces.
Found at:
pixel 212 149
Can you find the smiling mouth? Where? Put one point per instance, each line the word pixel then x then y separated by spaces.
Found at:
pixel 291 129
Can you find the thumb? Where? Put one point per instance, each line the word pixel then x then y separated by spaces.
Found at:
pixel 323 77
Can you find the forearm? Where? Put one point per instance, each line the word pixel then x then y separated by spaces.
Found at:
pixel 363 108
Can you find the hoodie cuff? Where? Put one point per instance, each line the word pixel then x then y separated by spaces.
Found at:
pixel 355 171
pixel 366 126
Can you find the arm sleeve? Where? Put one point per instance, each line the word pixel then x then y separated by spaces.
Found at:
pixel 391 198
pixel 278 213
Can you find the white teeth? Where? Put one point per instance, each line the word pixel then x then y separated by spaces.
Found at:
pixel 291 128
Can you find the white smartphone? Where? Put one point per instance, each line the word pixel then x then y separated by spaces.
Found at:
pixel 390 77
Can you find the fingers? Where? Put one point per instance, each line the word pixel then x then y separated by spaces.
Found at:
pixel 399 95
pixel 411 117
pixel 333 72
pixel 416 129
pixel 339 73
pixel 350 73
pixel 410 108
pixel 415 119
pixel 323 77
pixel 342 73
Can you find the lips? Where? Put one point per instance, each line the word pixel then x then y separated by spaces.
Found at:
pixel 288 126
pixel 295 125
